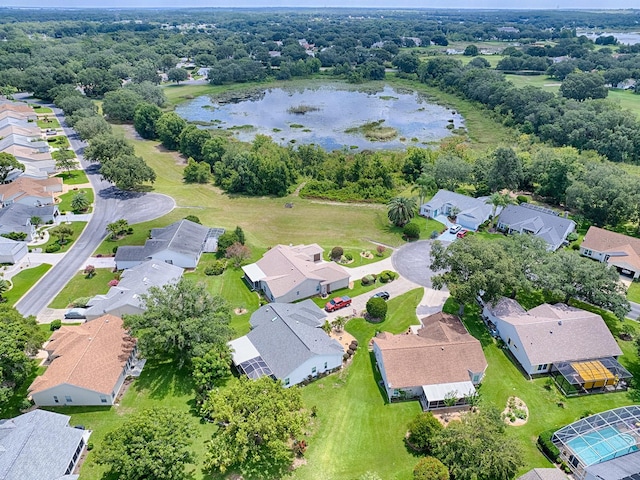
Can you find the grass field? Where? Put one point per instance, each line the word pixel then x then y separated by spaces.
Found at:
pixel 67 198
pixel 47 123
pixel 23 281
pixel 81 286
pixel 547 407
pixel 58 142
pixel 40 109
pixel 74 177
pixel 357 430
pixel 138 237
pixel 633 293
pixel 77 227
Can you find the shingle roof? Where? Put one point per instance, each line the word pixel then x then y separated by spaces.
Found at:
pixel 544 474
pixel 91 356
pixel 37 445
pixel 621 248
pixel 559 333
pixel 22 141
pixel 442 352
pixel 24 186
pixel 134 282
pixel 8 246
pixel 18 215
pixel 552 228
pixel 476 209
pixel 287 335
pixel 625 467
pixel 15 128
pixel 286 267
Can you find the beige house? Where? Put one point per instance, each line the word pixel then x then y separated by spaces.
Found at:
pixel 30 191
pixel 17 110
pixel 440 360
pixel 87 364
pixel 613 248
pixel 289 273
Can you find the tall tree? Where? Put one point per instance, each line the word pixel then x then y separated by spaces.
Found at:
pixel 425 185
pixel 66 160
pixel 430 468
pixel 583 85
pixel 506 170
pixel 145 118
pixel 63 232
pixel 258 422
pixel 127 172
pixel 80 202
pixel 153 443
pixel 181 321
pixel 177 75
pixel 89 127
pixel 401 210
pixel 107 146
pixel 168 128
pixel 498 200
pixel 8 163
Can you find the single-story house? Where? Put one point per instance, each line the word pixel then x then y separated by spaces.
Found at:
pixel 613 248
pixel 126 297
pixel 19 108
pixel 17 218
pixel 181 243
pixel 87 364
pixel 12 251
pixel 541 222
pixel 30 191
pixel 544 474
pixel 573 345
pixel 289 273
pixel 287 342
pixel 40 445
pixel 11 126
pixel 38 146
pixel 472 212
pixel 22 116
pixel 36 164
pixel 440 360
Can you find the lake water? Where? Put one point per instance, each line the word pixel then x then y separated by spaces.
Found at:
pixel 628 38
pixel 332 109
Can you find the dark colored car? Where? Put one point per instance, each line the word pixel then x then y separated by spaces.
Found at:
pixel 382 295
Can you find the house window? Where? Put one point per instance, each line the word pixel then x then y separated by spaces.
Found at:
pixel 475 378
pixel 55 399
pixel 298 293
pixel 588 252
pixel 103 398
pixel 509 341
pixel 313 371
pixel 286 381
pixel 543 368
pixel 67 399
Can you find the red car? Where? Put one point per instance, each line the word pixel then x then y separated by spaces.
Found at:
pixel 337 303
pixel 462 233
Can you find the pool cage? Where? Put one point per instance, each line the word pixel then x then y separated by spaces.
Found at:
pixel 598 438
pixel 590 376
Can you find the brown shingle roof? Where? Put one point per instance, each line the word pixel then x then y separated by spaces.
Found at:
pixel 90 356
pixel 24 186
pixel 604 241
pixel 442 352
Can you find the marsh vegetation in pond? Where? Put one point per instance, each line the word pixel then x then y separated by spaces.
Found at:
pixel 332 115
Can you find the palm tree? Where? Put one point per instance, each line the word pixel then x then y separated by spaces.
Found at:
pixel 401 210
pixel 498 199
pixel 425 185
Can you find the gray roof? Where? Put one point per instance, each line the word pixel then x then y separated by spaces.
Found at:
pixel 16 217
pixel 185 237
pixel 37 445
pixel 543 223
pixel 544 474
pixel 134 282
pixel 626 467
pixel 8 246
pixel 23 141
pixel 286 335
pixel 559 333
pixel 476 209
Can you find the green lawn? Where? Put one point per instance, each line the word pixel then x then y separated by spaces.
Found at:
pixel 40 109
pixel 160 385
pixel 504 379
pixel 58 142
pixel 74 177
pixel 359 260
pixel 357 430
pixel 67 198
pixel 541 81
pixel 23 281
pixel 77 227
pixel 138 237
pixel 48 123
pixel 81 286
pixel 633 293
pixel 11 408
pixel 358 289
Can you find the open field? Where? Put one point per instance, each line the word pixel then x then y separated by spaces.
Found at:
pixel 23 281
pixel 81 286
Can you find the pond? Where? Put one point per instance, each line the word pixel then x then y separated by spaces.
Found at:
pixel 627 38
pixel 333 116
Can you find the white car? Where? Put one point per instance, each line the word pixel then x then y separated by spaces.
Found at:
pixel 455 229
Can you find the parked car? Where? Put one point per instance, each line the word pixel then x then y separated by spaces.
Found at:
pixel 455 229
pixel 462 233
pixel 337 303
pixel 382 295
pixel 75 314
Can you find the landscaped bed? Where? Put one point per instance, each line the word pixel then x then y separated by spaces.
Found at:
pixel 67 198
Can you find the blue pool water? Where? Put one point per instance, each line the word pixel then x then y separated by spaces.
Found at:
pixel 602 445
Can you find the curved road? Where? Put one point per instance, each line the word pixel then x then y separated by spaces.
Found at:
pixel 110 205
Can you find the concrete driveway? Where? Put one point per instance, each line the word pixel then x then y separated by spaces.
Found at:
pixel 413 261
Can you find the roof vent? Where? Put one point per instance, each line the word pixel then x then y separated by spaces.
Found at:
pixel 559 322
pixel 442 348
pixel 274 319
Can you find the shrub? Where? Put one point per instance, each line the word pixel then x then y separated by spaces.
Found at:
pixel 80 302
pixel 380 249
pixel 336 253
pixel 430 468
pixel 387 276
pixel 572 237
pixel 547 446
pixel 55 325
pixel 434 234
pixel 348 256
pixel 422 431
pixel 54 247
pixel 377 308
pixel 215 268
pixel 575 246
pixel 192 218
pixel 522 199
pixel 114 250
pixel 411 230
pixel 114 282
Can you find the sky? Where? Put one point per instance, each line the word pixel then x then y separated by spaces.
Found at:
pixel 479 4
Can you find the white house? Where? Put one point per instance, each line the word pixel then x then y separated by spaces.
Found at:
pixel 287 342
pixel 613 248
pixel 12 251
pixel 472 212
pixel 290 273
pixel 534 220
pixel 439 360
pixel 88 364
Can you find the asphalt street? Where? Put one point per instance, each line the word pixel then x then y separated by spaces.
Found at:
pixel 110 204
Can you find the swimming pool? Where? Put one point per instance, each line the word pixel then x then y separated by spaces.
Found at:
pixel 601 445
